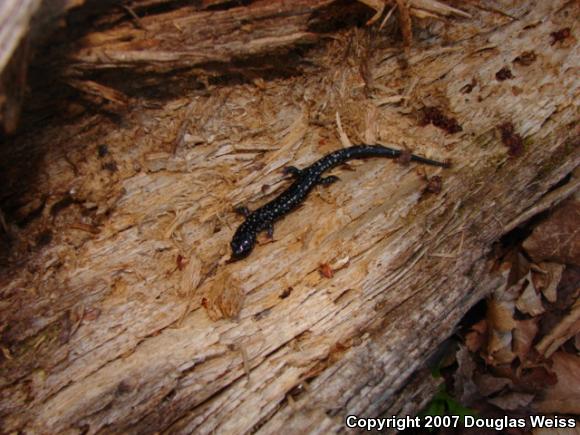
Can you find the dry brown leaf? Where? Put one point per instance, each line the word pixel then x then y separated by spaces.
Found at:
pixel 557 239
pixel 568 289
pixel 480 327
pixel 465 388
pixel 489 384
pixel 500 321
pixel 475 339
pixel 500 315
pixel 520 268
pixel 546 277
pixel 512 401
pixel 530 301
pixel 536 379
pixel 523 337
pixel 567 328
pixel 499 348
pixel 564 396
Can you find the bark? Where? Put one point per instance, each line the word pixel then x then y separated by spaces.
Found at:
pixel 119 311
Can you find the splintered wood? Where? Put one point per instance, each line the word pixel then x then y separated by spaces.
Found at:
pixel 119 310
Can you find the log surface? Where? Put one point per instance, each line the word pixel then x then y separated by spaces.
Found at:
pixel 119 313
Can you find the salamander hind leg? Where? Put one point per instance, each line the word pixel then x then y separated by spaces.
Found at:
pixel 241 210
pixel 327 181
pixel 292 170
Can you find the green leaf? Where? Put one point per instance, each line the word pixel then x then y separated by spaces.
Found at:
pixel 444 404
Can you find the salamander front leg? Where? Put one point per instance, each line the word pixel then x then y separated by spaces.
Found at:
pixel 292 170
pixel 244 211
pixel 327 181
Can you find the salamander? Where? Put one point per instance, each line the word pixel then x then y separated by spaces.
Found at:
pixel 305 180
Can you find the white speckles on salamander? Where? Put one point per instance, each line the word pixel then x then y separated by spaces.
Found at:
pixel 304 181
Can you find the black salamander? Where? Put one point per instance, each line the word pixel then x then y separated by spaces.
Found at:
pixel 304 181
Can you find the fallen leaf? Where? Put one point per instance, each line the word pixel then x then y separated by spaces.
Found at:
pixel 500 315
pixel 546 277
pixel 512 401
pixel 564 396
pixel 475 339
pixel 523 337
pixel 568 289
pixel 499 348
pixel 557 239
pixel 500 321
pixel 465 389
pixel 520 266
pixel 489 384
pixel 568 327
pixel 530 301
pixel 480 327
pixel 536 379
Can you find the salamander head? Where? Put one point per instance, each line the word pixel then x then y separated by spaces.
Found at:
pixel 242 244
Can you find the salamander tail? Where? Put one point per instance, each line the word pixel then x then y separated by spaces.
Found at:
pixel 419 159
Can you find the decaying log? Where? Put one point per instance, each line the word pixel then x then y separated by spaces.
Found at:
pixel 23 23
pixel 119 311
pixel 161 38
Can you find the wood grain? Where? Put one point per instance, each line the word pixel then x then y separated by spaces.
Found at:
pixel 127 318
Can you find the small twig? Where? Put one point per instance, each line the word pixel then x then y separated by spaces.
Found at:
pixel 387 17
pixel 138 23
pixel 405 23
pixel 495 10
